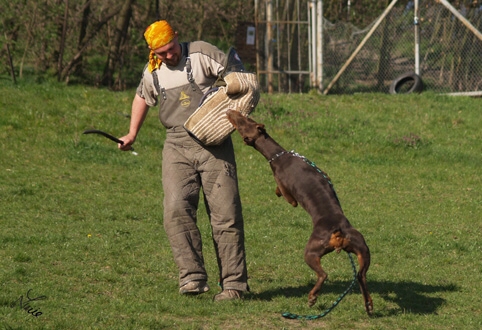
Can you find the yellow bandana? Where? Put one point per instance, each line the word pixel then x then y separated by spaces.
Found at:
pixel 158 34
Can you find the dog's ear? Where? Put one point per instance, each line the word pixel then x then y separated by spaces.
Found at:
pixel 261 128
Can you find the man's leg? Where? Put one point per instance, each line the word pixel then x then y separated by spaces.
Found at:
pixel 220 187
pixel 181 197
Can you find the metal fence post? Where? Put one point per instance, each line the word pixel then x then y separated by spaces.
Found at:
pixel 416 23
pixel 319 48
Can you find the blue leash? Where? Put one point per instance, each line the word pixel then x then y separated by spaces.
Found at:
pixel 335 303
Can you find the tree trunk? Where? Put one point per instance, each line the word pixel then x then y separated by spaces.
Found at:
pixel 385 50
pixel 10 62
pixel 202 17
pixel 84 23
pixel 114 49
pixel 95 31
pixel 62 41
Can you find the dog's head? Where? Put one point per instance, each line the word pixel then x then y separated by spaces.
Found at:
pixel 249 130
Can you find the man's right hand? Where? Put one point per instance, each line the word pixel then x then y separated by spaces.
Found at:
pixel 128 142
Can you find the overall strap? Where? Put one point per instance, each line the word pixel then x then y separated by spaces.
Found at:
pixel 185 52
pixel 160 90
pixel 155 80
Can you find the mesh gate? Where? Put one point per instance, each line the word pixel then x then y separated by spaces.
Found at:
pixel 283 47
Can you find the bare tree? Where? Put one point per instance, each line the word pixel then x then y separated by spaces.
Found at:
pixel 62 40
pixel 101 35
pixel 94 32
pixel 120 34
pixel 84 23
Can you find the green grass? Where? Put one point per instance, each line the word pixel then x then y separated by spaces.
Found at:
pixel 81 222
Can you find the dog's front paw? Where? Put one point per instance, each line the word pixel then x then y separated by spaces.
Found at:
pixel 278 192
pixel 369 307
pixel 312 300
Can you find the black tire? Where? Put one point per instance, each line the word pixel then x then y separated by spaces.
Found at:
pixel 407 83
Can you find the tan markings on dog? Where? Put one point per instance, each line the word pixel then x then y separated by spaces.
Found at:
pixel 338 241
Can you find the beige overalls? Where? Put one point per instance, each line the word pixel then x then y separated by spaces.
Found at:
pixel 188 167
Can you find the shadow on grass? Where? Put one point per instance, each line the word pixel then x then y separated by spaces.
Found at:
pixel 410 297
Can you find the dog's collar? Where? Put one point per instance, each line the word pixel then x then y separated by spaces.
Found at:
pixel 307 161
pixel 280 154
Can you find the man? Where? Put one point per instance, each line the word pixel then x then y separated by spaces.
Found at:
pixel 178 74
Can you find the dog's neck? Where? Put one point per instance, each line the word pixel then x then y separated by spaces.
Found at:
pixel 268 147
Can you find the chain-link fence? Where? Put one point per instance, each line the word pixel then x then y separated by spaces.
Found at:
pixel 450 53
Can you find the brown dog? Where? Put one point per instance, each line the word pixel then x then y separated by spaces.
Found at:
pixel 299 181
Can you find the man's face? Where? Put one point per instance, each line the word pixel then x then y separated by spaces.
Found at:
pixel 169 54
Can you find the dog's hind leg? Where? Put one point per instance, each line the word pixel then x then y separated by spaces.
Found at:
pixel 364 262
pixel 360 248
pixel 312 259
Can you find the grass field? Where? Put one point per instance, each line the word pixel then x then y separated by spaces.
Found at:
pixel 81 222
